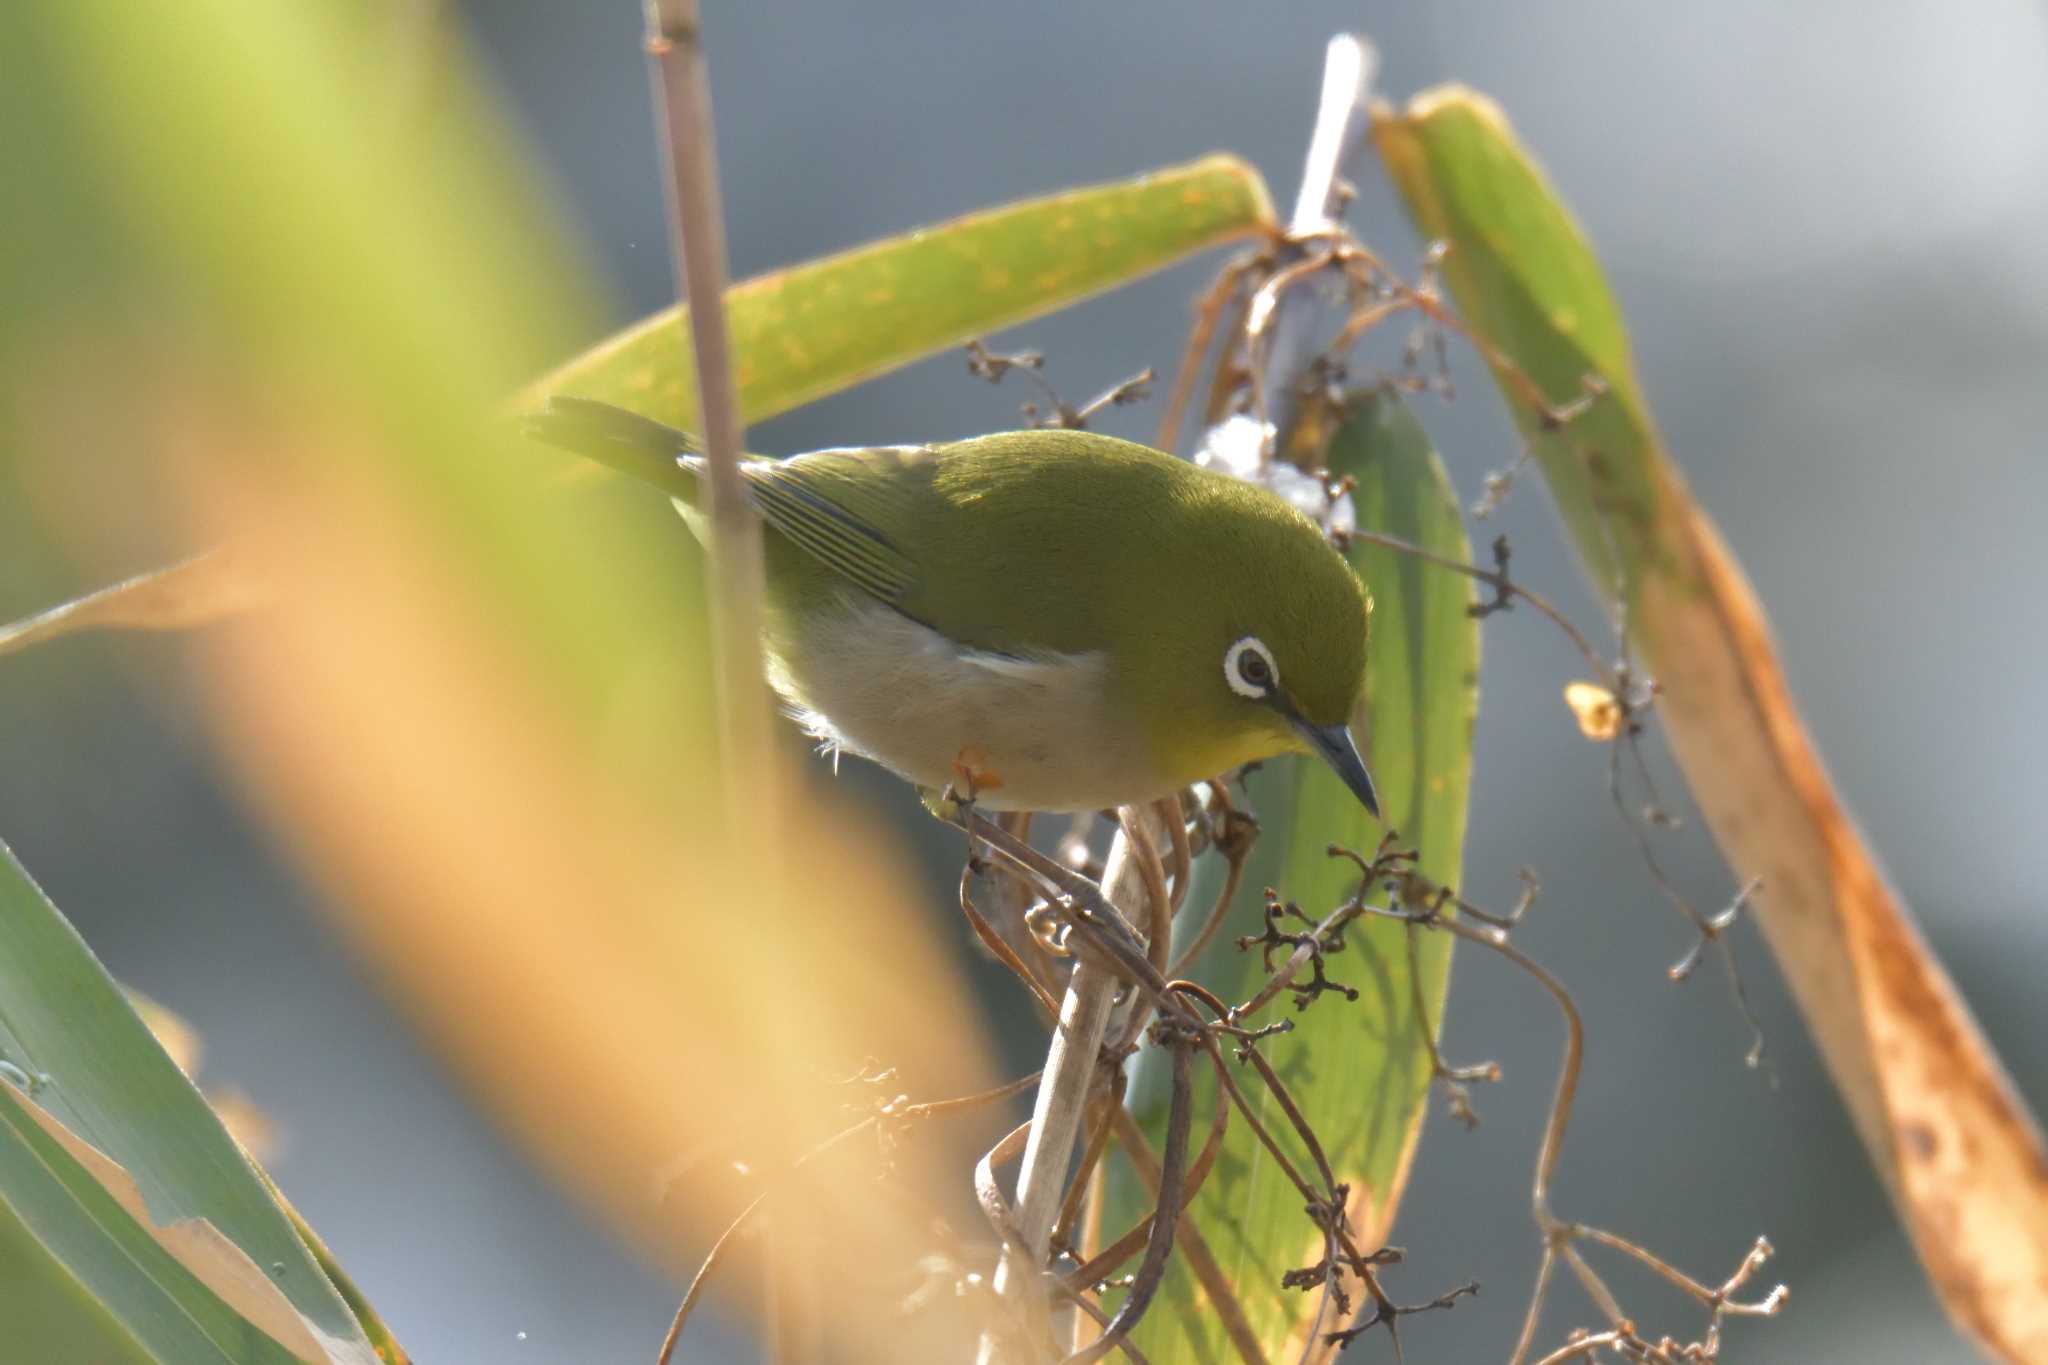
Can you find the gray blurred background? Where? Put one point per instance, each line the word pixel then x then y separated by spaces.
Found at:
pixel 1825 223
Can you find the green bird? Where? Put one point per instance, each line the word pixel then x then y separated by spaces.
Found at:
pixel 1048 620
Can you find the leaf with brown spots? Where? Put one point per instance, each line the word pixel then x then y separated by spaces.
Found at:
pixel 1960 1154
pixel 823 326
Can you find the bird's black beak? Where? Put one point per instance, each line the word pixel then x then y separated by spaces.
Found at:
pixel 1340 751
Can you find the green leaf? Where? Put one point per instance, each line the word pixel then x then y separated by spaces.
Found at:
pixel 119 1182
pixel 814 329
pixel 1527 282
pixel 1359 1070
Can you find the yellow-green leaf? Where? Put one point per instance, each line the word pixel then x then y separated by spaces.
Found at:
pixel 826 325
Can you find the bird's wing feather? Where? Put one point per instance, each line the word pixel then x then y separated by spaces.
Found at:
pixel 837 520
pixel 828 505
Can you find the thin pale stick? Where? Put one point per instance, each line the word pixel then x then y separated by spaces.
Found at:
pixel 1062 1096
pixel 1142 832
pixel 1343 123
pixel 1021 1312
pixel 1106 1098
pixel 675 52
pixel 1585 1348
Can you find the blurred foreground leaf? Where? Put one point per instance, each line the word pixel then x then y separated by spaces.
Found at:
pixel 475 713
pixel 823 326
pixel 1359 1070
pixel 1952 1141
pixel 121 1189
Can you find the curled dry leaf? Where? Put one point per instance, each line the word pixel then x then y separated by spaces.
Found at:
pixel 1953 1142
pixel 1596 710
pixel 222 582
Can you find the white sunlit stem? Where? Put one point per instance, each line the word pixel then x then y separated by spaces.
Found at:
pixel 1343 123
pixel 1062 1101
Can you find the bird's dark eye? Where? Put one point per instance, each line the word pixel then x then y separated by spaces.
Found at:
pixel 1249 669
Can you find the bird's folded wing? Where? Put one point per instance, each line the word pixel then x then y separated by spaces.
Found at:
pixel 832 507
pixel 838 506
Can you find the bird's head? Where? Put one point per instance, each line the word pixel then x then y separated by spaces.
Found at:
pixel 1259 647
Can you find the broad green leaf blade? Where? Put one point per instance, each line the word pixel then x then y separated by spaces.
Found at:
pixel 1916 1075
pixel 97 1111
pixel 51 1313
pixel 814 329
pixel 1360 1070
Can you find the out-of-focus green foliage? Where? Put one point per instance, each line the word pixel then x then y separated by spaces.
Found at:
pixel 1359 1070
pixel 281 261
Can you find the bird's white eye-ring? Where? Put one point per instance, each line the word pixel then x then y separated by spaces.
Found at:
pixel 1249 669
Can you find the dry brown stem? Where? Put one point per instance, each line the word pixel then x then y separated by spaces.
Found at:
pixel 1421 904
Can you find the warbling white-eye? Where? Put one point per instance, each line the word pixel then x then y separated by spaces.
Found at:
pixel 1067 621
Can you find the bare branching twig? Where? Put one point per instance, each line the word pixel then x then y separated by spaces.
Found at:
pixel 995 366
pixel 1419 904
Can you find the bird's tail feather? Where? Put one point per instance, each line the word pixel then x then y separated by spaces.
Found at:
pixel 641 447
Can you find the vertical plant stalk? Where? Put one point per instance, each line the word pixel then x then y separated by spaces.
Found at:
pixel 682 87
pixel 1343 122
pixel 1063 1090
